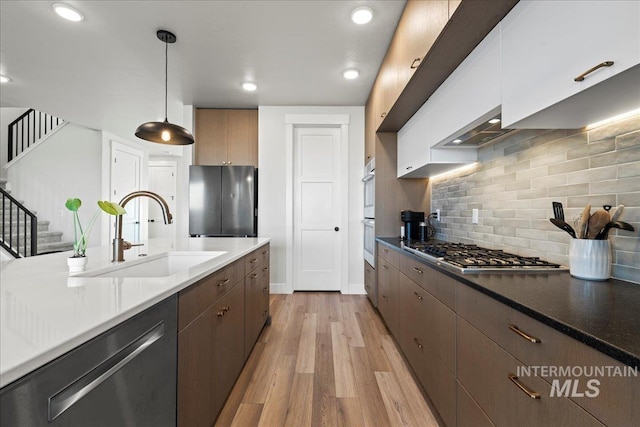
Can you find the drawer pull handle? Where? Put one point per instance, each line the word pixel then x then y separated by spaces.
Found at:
pixel 265 269
pixel 418 296
pixel 418 343
pixel 383 114
pixel 265 252
pixel 253 260
pixel 418 270
pixel 254 275
pixel 223 282
pixel 582 76
pixel 386 251
pixel 532 394
pixel 524 335
pixel 386 267
pixel 384 297
pixel 415 63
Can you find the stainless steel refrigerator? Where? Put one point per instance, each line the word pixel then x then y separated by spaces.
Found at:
pixel 223 201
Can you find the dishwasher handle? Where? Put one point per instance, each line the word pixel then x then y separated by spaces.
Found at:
pixel 67 397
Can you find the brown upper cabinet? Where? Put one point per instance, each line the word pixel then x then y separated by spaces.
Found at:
pixel 226 137
pixel 428 45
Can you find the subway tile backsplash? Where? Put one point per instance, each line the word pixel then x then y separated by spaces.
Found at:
pixel 517 178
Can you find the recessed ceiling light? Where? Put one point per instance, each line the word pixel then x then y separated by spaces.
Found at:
pixel 350 74
pixel 67 12
pixel 4 79
pixel 249 86
pixel 457 141
pixel 494 121
pixel 361 15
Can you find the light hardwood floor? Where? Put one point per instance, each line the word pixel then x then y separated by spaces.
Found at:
pixel 326 360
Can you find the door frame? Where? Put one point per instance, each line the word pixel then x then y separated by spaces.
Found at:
pixel 340 121
pixel 115 145
pixel 174 165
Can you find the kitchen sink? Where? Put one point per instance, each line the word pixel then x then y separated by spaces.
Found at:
pixel 161 265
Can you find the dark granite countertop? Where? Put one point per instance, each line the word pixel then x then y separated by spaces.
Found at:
pixel 603 315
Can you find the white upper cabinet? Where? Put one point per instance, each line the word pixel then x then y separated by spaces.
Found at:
pixel 470 93
pixel 547 44
pixel 469 96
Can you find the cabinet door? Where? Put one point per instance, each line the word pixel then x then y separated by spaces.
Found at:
pixel 414 143
pixel 211 137
pixel 227 318
pixel 253 294
pixel 195 391
pixel 242 137
pixel 420 25
pixel 387 294
pixel 369 131
pixel 545 45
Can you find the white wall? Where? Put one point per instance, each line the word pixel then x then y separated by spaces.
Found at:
pixel 272 185
pixel 66 165
pixel 7 115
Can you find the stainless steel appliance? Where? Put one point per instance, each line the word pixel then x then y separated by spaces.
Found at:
pixel 369 180
pixel 466 258
pixel 369 221
pixel 223 201
pixel 123 377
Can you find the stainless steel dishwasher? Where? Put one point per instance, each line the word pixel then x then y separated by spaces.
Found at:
pixel 124 377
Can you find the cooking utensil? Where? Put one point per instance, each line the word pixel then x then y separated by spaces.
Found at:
pixel 558 212
pixel 597 222
pixel 617 213
pixel 563 226
pixel 584 222
pixel 604 233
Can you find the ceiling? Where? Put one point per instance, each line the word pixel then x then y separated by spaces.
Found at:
pixel 107 72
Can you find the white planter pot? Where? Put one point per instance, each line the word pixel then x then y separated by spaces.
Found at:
pixel 590 259
pixel 77 264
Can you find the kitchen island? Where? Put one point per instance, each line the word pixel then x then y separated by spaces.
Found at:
pixel 45 312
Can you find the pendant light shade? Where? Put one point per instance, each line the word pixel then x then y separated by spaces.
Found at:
pixel 165 132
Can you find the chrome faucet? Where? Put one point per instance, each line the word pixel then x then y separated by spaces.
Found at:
pixel 119 245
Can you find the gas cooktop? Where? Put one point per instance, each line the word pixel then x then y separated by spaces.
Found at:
pixel 475 259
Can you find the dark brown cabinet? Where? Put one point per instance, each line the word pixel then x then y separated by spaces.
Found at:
pixel 226 137
pixel 219 320
pixel 256 284
pixel 370 283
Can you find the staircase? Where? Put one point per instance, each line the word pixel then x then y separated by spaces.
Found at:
pixel 17 236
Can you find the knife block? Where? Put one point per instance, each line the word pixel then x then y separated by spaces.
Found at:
pixel 590 259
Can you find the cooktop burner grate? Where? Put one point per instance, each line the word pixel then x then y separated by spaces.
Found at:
pixel 473 258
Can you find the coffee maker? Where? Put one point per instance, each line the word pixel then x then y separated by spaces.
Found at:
pixel 412 222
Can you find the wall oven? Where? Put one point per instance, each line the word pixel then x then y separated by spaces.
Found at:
pixel 370 241
pixel 369 180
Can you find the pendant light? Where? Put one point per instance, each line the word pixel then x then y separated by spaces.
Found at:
pixel 165 132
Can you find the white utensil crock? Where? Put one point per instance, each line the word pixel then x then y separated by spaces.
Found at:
pixel 590 259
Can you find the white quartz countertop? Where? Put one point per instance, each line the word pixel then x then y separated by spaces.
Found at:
pixel 44 312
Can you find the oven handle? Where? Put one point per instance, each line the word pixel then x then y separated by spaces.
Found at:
pixel 369 177
pixel 371 222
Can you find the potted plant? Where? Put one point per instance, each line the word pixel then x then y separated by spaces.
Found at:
pixel 78 261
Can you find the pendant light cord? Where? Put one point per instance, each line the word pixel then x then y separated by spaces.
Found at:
pixel 166 78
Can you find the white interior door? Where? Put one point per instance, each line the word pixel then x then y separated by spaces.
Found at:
pixel 162 181
pixel 125 178
pixel 317 239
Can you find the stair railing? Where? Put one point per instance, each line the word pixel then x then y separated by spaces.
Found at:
pixel 24 220
pixel 27 129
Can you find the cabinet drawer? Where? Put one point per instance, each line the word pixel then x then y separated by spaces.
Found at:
pixel 483 369
pixel 388 303
pixel 252 261
pixel 508 327
pixel 437 284
pixel 468 413
pixel 370 284
pixel 390 255
pixel 219 283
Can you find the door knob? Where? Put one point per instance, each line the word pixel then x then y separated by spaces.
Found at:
pixel 337 228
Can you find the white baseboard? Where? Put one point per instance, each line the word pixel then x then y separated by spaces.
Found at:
pixel 356 289
pixel 280 288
